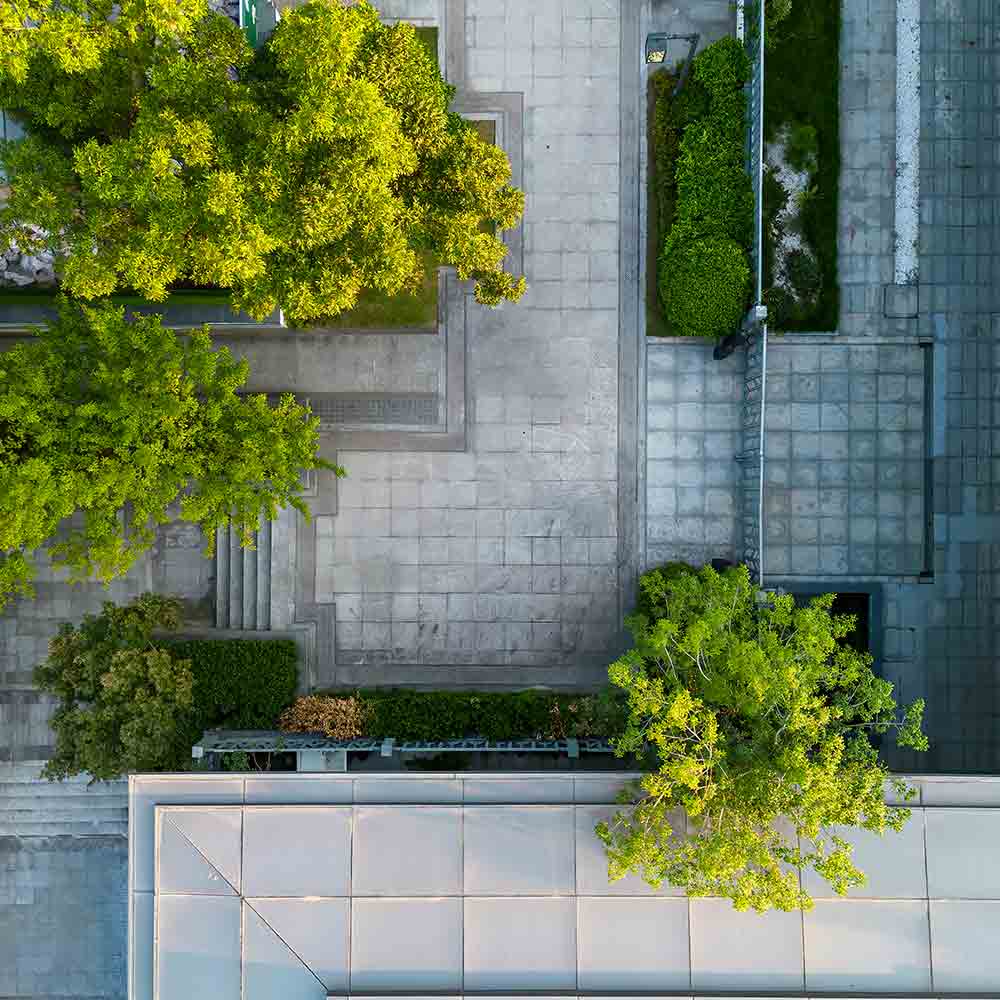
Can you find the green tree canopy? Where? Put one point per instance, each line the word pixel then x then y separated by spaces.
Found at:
pixel 101 416
pixel 756 721
pixel 121 699
pixel 161 150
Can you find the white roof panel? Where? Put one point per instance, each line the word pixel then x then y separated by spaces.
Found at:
pixel 450 891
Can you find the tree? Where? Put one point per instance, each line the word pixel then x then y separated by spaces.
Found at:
pixel 754 716
pixel 161 151
pixel 103 417
pixel 121 698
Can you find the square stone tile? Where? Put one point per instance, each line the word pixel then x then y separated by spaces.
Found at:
pixel 270 967
pixel 153 790
pixel 867 945
pixel 406 944
pixel 431 864
pixel 962 859
pixel 316 864
pixel 198 941
pixel 520 944
pixel 964 944
pixel 523 850
pixel 732 950
pixel 632 944
pixel 315 930
pixel 183 865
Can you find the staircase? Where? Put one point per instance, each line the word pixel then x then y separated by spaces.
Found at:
pixel 31 806
pixel 243 580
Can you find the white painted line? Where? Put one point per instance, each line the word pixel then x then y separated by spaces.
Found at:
pixel 907 231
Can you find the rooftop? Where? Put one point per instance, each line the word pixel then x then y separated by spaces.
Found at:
pixel 298 886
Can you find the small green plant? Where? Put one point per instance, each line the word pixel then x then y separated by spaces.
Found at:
pixel 802 147
pixel 775 11
pixel 805 198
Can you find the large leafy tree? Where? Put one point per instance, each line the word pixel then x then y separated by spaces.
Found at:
pixel 756 720
pixel 121 698
pixel 103 416
pixel 161 150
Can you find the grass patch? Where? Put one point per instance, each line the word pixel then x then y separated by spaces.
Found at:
pixel 802 86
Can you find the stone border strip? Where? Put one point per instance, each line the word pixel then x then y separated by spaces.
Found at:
pixel 907 194
pixel 631 318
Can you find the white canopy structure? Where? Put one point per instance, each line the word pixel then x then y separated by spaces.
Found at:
pixel 282 887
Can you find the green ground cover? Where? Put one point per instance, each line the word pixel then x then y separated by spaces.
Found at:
pixel 802 91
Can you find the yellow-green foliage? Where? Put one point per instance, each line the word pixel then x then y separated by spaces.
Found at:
pixel 99 413
pixel 755 720
pixel 164 152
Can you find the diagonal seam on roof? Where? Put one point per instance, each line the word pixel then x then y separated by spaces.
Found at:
pixel 202 855
pixel 271 928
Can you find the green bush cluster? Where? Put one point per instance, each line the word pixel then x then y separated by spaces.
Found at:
pixel 493 715
pixel 130 701
pixel 238 683
pixel 699 140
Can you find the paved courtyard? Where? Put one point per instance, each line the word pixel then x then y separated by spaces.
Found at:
pixel 499 548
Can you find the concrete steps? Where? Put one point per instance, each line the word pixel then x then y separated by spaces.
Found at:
pixel 31 806
pixel 243 581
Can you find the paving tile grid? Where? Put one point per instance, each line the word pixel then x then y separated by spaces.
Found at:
pixel 844 473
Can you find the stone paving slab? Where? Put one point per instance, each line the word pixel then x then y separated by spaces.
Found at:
pixel 63 915
pixel 505 555
pixel 844 465
pixel 692 477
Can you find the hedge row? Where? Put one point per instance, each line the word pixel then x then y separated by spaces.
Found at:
pixel 704 197
pixel 445 715
pixel 238 683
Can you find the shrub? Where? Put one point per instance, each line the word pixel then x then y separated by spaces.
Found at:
pixel 239 683
pixel 703 285
pixel 122 701
pixel 714 195
pixel 802 147
pixel 704 195
pixel 127 704
pixel 337 718
pixel 758 718
pixel 723 67
pixel 426 716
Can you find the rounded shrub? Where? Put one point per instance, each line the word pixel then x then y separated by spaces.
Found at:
pixel 703 285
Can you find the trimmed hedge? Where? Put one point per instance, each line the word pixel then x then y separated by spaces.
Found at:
pixel 493 715
pixel 703 284
pixel 704 196
pixel 238 683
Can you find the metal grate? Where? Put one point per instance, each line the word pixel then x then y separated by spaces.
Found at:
pixel 408 408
